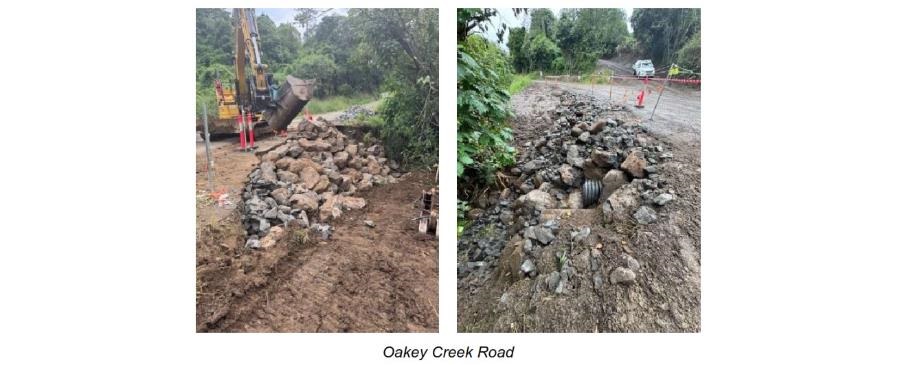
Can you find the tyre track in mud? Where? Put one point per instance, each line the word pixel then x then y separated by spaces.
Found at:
pixel 362 279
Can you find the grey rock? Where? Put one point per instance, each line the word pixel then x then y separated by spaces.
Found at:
pixel 584 137
pixel 264 225
pixel 581 234
pixel 538 200
pixel 568 175
pixel 287 176
pixel 621 204
pixel 622 275
pixel 323 230
pixel 663 199
pixel 553 281
pixel 281 196
pixel 645 215
pixel 631 262
pixel 369 223
pixel 252 242
pixel 303 219
pixel 543 235
pixel 634 164
pixel 612 181
pixel 604 159
pixel 507 217
pixel 272 213
pixel 267 173
pixel 528 268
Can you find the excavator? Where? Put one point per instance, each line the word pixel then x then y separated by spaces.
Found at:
pixel 255 95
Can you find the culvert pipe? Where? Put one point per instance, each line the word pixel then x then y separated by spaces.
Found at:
pixel 590 192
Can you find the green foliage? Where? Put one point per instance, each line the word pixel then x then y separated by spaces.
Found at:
pixel 351 56
pixel 689 55
pixel 517 56
pixel 320 67
pixel 483 135
pixel 541 51
pixel 410 131
pixel 490 56
pixel 519 83
pixel 542 22
pixel 628 46
pixel 338 102
pixel 662 32
pixel 462 207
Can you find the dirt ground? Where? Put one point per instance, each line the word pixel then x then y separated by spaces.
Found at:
pixel 666 295
pixel 362 279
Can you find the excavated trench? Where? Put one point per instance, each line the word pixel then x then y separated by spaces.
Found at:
pixel 550 252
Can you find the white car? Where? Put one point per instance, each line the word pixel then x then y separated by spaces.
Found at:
pixel 643 68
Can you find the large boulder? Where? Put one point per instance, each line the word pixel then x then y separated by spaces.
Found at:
pixel 307 202
pixel 314 146
pixel 352 149
pixel 612 181
pixel 287 176
pixel 621 204
pixel 281 195
pixel 331 208
pixel 350 202
pixel 537 199
pixel 340 159
pixel 267 173
pixel 298 165
pixel 284 163
pixel 634 164
pixel 309 177
pixel 271 238
pixel 322 185
pixel 568 175
pixel 603 159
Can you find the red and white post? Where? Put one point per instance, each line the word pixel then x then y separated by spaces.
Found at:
pixel 240 122
pixel 250 132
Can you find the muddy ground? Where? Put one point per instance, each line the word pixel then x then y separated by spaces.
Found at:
pixel 362 279
pixel 665 296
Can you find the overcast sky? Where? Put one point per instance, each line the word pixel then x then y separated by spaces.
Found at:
pixel 506 16
pixel 286 15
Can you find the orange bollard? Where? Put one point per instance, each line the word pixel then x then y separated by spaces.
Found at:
pixel 250 133
pixel 240 122
pixel 640 100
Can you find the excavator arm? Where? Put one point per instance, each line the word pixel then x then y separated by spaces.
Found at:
pixel 254 90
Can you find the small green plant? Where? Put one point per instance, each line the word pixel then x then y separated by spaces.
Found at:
pixel 562 258
pixel 462 207
pixel 299 236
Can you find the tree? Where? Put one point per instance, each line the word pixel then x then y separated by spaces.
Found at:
pixel 516 40
pixel 688 57
pixel 215 37
pixel 662 32
pixel 541 51
pixel 542 21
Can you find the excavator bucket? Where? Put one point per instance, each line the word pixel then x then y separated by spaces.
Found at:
pixel 292 97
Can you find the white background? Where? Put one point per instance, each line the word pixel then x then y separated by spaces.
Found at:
pixel 799 192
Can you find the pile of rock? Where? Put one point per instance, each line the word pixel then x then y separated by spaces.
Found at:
pixel 311 179
pixel 354 112
pixel 584 141
pixel 582 144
